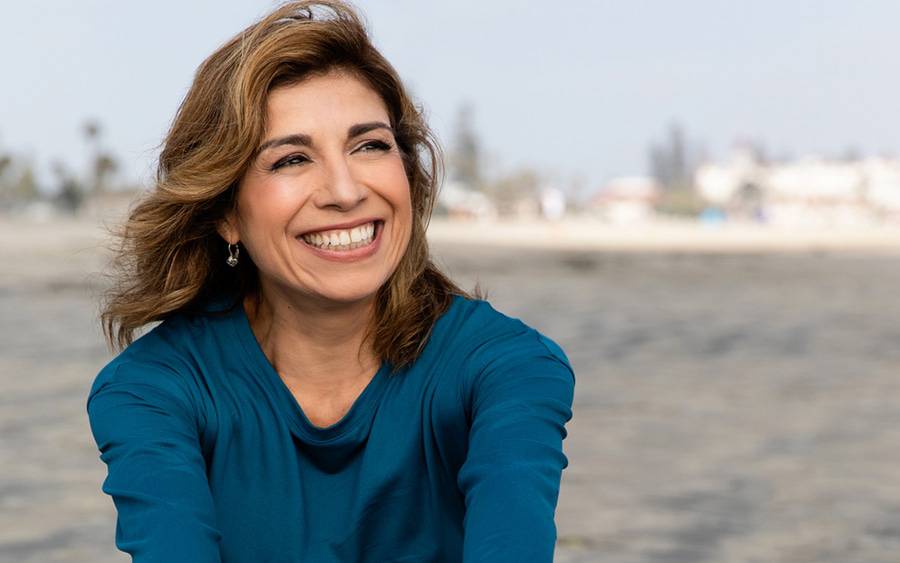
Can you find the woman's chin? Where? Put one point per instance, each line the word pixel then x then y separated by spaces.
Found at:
pixel 347 296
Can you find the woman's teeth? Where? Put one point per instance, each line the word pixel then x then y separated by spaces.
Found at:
pixel 342 239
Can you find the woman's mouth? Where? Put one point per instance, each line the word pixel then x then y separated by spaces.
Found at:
pixel 357 242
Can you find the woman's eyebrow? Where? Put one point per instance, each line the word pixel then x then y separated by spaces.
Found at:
pixel 361 128
pixel 304 140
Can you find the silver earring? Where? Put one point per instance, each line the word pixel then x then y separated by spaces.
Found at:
pixel 233 252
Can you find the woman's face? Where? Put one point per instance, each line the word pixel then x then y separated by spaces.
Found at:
pixel 328 164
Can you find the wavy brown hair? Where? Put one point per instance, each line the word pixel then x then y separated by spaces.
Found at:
pixel 169 258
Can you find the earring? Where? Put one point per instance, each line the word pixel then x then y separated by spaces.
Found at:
pixel 233 252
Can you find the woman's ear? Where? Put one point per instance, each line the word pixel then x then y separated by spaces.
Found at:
pixel 227 228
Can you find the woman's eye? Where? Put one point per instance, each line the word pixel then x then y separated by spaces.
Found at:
pixel 375 145
pixel 290 161
pixel 297 159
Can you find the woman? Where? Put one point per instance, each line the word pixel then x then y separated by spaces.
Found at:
pixel 316 390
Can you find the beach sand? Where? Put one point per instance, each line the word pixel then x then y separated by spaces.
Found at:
pixel 734 402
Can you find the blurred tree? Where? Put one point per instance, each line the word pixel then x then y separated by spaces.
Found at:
pixel 91 130
pixel 465 155
pixel 18 183
pixel 103 164
pixel 511 191
pixel 672 164
pixel 5 163
pixel 851 154
pixel 25 187
pixel 578 192
pixel 669 161
pixel 70 194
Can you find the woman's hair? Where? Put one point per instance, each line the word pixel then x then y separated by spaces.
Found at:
pixel 169 257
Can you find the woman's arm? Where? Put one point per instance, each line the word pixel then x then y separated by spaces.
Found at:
pixel 521 400
pixel 147 435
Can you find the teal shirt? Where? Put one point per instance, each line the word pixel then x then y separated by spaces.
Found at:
pixel 457 457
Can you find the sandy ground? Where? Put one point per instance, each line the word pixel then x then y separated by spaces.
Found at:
pixel 585 233
pixel 735 402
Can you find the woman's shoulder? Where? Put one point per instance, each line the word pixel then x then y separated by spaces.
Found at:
pixel 479 316
pixel 484 334
pixel 167 356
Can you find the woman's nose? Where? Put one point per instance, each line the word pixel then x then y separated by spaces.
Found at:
pixel 340 187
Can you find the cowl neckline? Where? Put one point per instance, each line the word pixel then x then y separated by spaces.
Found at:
pixel 354 419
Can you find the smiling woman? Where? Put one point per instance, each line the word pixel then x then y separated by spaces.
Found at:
pixel 316 389
pixel 329 166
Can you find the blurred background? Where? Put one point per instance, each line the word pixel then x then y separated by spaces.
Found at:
pixel 699 201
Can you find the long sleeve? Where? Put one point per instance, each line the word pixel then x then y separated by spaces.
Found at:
pixel 147 434
pixel 521 399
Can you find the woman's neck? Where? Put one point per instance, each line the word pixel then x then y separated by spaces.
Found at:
pixel 312 346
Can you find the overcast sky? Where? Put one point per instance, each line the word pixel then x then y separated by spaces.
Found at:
pixel 575 89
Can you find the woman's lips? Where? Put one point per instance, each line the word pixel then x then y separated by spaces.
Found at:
pixel 349 255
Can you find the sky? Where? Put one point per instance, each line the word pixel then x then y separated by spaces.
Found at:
pixel 577 90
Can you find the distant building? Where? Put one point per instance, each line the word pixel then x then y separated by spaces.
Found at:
pixel 816 192
pixel 882 186
pixel 724 185
pixel 458 201
pixel 626 200
pixel 808 191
